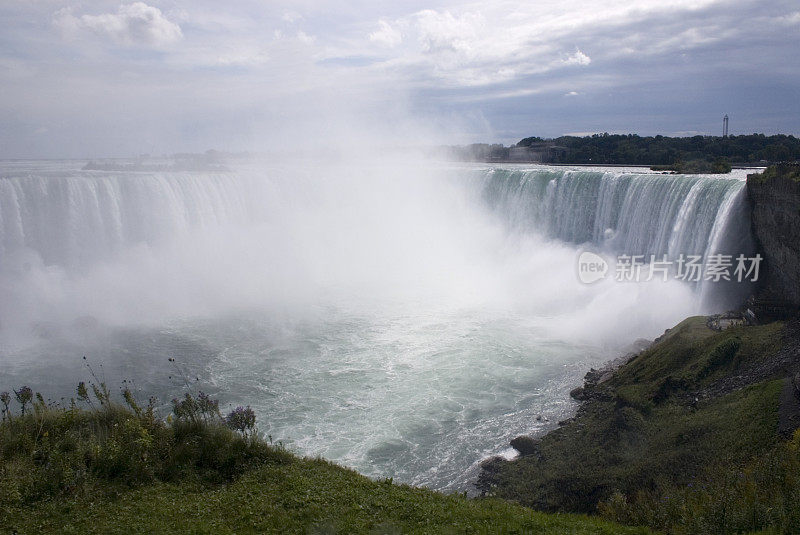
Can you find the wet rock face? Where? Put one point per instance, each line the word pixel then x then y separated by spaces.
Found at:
pixel 775 202
pixel 525 445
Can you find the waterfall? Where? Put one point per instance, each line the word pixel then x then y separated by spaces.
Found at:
pixel 621 212
pixel 628 213
pixel 73 219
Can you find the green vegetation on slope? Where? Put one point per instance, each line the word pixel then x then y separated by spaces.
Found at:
pixel 115 469
pixel 691 357
pixel 690 416
pixel 763 494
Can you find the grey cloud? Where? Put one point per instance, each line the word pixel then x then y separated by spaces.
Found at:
pixel 132 24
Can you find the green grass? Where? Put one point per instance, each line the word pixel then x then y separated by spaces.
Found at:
pixel 297 497
pixel 616 447
pixel 763 495
pixel 692 356
pixel 652 440
pixel 116 469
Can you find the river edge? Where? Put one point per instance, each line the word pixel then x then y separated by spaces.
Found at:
pixel 641 412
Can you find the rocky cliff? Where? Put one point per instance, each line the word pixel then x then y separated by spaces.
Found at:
pixel 775 202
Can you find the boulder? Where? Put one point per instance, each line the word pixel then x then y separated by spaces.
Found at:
pixel 525 445
pixel 578 393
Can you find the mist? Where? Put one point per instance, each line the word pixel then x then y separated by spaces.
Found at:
pixel 293 237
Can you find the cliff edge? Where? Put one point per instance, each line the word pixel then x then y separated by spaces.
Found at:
pixel 775 204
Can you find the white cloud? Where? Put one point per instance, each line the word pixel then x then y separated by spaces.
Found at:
pixel 291 16
pixel 445 32
pixel 793 18
pixel 303 37
pixel 484 45
pixel 578 58
pixel 571 94
pixel 132 24
pixel 242 56
pixel 386 35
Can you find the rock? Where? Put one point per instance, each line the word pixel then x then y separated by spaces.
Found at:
pixel 592 376
pixel 593 388
pixel 660 338
pixel 605 377
pixel 775 217
pixel 578 393
pixel 525 445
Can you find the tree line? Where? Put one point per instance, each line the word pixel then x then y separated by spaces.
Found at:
pixel 632 149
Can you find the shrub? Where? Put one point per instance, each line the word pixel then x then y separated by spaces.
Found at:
pixel 67 450
pixel 242 419
pixel 24 396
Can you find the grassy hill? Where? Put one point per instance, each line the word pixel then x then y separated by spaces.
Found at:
pixel 109 468
pixel 684 437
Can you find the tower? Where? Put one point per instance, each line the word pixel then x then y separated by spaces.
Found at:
pixel 725 126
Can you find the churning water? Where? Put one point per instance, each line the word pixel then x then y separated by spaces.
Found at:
pixel 406 320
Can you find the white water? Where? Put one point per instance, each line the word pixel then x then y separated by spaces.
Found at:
pixel 406 320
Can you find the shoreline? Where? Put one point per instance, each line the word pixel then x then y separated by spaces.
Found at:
pixel 612 442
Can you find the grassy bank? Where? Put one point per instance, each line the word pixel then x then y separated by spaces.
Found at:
pixel 104 467
pixel 684 437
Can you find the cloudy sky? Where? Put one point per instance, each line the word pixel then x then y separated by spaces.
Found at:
pixel 108 78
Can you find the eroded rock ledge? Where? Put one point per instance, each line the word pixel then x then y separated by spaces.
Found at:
pixel 775 204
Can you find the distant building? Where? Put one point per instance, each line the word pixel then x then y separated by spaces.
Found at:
pixel 725 126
